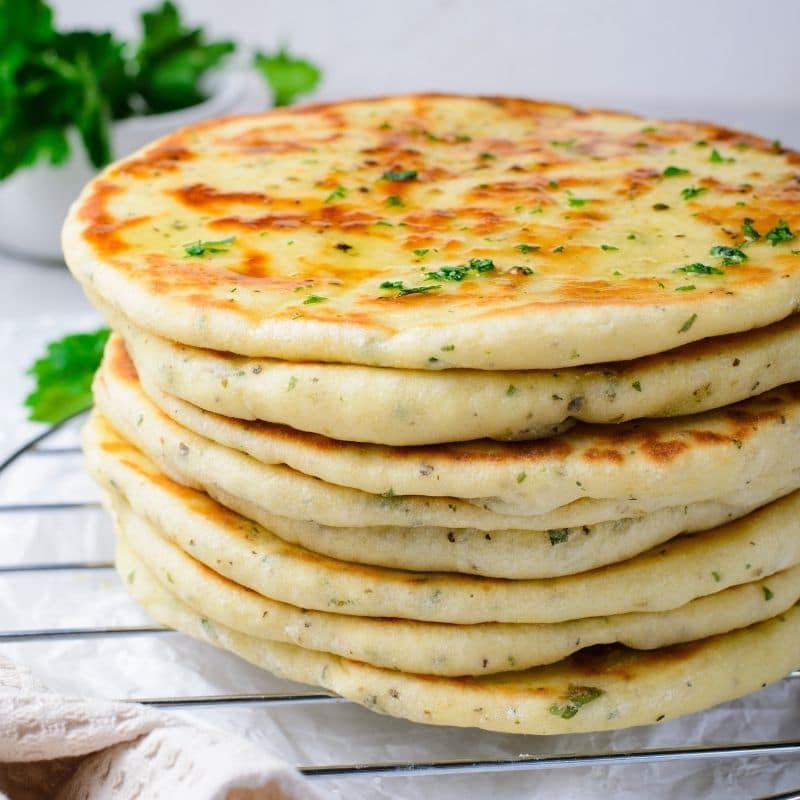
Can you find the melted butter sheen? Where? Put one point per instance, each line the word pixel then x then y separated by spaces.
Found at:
pixel 306 198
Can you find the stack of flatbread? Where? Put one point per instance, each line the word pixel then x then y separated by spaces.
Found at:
pixel 476 411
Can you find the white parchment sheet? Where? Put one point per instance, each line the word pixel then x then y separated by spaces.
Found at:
pixel 335 733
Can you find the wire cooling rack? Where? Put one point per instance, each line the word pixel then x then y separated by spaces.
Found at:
pixel 38 448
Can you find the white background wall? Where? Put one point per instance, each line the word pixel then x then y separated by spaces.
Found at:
pixel 733 61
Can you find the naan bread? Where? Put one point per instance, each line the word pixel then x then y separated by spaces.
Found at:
pixel 432 232
pixel 644 465
pixel 438 648
pixel 412 407
pixel 597 689
pixel 662 579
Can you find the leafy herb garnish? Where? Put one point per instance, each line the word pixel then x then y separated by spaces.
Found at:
pixel 394 201
pixel 699 268
pixel 460 272
pixel 608 248
pixel 730 255
pixel 577 202
pixel 287 76
pixel 688 324
pixel 749 231
pixel 575 698
pixel 780 233
pixel 671 172
pixel 312 299
pixel 690 287
pixel 400 175
pixel 528 248
pixel 402 291
pixel 338 193
pixel 64 376
pixel 200 248
pixel 690 192
pixel 558 535
pixel 717 158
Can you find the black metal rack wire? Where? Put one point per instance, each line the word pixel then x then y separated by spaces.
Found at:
pixel 35 447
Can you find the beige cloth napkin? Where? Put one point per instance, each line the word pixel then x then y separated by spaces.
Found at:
pixel 72 748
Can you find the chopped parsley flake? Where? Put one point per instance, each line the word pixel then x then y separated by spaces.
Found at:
pixel 447 348
pixel 749 231
pixel 637 385
pixel 400 175
pixel 631 236
pixel 528 248
pixel 462 271
pixel 394 201
pixel 690 192
pixel 486 156
pixel 563 143
pixel 200 248
pixel 699 268
pixel 292 383
pixel 521 477
pixel 688 324
pixel 312 299
pixel 780 233
pixel 553 184
pixel 558 536
pixel 337 194
pixel 402 291
pixel 672 172
pixel 558 249
pixel 422 252
pixel 577 202
pixel 768 593
pixel 608 247
pixel 731 256
pixel 689 287
pixel 520 270
pixel 717 158
pixel 716 576
pixel 511 389
pixel 575 699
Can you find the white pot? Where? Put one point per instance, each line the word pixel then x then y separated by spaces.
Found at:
pixel 34 200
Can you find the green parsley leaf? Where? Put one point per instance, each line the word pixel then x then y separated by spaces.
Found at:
pixel 558 249
pixel 698 269
pixel 422 252
pixel 637 385
pixel 338 193
pixel 672 172
pixel 780 233
pixel 200 248
pixel 690 192
pixel 768 593
pixel 577 202
pixel 749 231
pixel 528 248
pixel 690 287
pixel 172 59
pixel 64 376
pixel 287 76
pixel 731 256
pixel 312 299
pixel 462 271
pixel 402 291
pixel 688 324
pixel 575 698
pixel 394 201
pixel 486 156
pixel 400 175
pixel 608 248
pixel 717 158
pixel 558 535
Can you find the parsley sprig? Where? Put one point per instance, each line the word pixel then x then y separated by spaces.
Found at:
pixel 64 376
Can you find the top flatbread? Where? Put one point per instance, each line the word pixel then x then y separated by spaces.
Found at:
pixel 533 235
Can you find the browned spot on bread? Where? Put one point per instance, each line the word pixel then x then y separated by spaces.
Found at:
pixel 168 155
pixel 102 227
pixel 603 454
pixel 663 452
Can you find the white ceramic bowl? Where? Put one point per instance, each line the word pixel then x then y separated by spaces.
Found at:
pixel 34 200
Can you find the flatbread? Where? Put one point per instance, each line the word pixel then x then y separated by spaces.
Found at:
pixel 644 465
pixel 442 649
pixel 596 689
pixel 297 234
pixel 413 407
pixel 667 577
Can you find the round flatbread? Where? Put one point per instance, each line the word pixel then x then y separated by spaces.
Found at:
pixel 412 407
pixel 667 577
pixel 442 649
pixel 597 689
pixel 432 232
pixel 644 465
